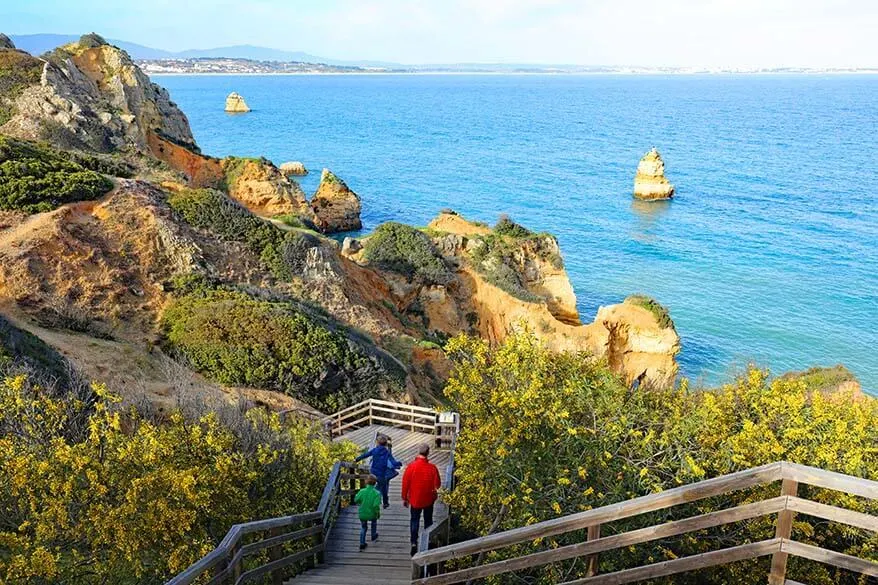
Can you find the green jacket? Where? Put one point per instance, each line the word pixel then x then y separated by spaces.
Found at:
pixel 369 501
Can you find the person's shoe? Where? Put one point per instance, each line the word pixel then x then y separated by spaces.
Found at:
pixel 363 546
pixel 374 538
pixel 386 506
pixel 414 549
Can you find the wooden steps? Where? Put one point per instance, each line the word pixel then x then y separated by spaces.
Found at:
pixel 388 560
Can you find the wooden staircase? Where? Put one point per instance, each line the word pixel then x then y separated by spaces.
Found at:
pixel 322 547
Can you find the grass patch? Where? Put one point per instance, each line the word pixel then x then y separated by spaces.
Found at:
pixel 236 339
pixel 36 178
pixel 19 346
pixel 408 251
pixel 659 311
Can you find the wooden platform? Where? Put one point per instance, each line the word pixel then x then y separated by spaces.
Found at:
pixel 386 561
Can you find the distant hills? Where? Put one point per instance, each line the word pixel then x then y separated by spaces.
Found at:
pixel 265 59
pixel 37 44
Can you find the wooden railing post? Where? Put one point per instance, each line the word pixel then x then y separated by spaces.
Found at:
pixel 275 553
pixel 784 530
pixel 594 533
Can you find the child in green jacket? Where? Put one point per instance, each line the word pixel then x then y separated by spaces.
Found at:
pixel 369 501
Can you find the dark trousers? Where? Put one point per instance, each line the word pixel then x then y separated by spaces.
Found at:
pixel 416 520
pixel 363 524
pixel 383 488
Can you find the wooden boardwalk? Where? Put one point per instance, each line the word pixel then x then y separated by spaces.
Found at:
pixel 388 560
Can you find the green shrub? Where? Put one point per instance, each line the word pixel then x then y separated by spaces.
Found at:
pixel 236 339
pixel 506 227
pixel 35 178
pixel 408 251
pixel 660 312
pixel 213 211
pixel 548 434
pixel 493 259
pixel 93 494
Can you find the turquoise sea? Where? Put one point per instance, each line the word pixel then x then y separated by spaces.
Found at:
pixel 769 253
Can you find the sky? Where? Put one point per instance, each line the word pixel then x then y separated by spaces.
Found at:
pixel 653 33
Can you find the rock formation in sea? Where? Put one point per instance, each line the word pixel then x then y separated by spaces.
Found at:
pixel 293 169
pixel 6 42
pixel 235 104
pixel 260 186
pixel 650 183
pixel 336 208
pixel 130 246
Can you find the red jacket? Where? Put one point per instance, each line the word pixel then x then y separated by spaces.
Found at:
pixel 420 483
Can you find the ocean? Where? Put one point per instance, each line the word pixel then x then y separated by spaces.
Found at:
pixel 768 254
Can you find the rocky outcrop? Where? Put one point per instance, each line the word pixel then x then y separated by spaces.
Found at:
pixel 199 170
pixel 650 183
pixel 91 95
pixel 336 208
pixel 98 261
pixel 6 42
pixel 235 104
pixel 259 186
pixel 293 169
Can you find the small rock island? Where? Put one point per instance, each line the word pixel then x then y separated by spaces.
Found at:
pixel 293 169
pixel 650 183
pixel 235 104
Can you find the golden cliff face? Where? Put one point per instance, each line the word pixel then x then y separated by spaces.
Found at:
pixel 628 336
pixel 260 187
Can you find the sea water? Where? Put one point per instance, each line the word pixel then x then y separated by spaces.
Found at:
pixel 768 254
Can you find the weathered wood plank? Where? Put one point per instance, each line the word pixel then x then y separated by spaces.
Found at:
pixel 783 529
pixel 834 514
pixel 856 486
pixel 253 574
pixel 615 541
pixel 684 564
pixel 829 557
pixel 627 509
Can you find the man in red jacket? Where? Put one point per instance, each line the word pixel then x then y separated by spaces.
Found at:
pixel 420 484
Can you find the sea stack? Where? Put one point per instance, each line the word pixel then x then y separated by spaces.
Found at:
pixel 235 103
pixel 650 183
pixel 293 169
pixel 336 208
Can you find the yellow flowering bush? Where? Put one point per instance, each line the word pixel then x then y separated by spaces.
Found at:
pixel 546 434
pixel 89 494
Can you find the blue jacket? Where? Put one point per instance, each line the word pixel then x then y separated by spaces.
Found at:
pixel 380 456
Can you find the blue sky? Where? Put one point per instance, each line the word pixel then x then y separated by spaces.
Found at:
pixel 746 33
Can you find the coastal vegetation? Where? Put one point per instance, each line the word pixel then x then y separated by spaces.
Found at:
pixel 407 251
pixel 212 210
pixel 236 339
pixel 93 493
pixel 549 434
pixel 36 178
pixel 659 311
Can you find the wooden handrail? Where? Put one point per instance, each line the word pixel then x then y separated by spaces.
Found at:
pixel 225 561
pixel 383 412
pixel 784 506
pixel 231 554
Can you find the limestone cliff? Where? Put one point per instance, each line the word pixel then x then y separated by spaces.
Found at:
pixel 6 42
pixel 650 183
pixel 505 282
pixel 262 188
pixel 235 104
pixel 336 208
pixel 91 95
